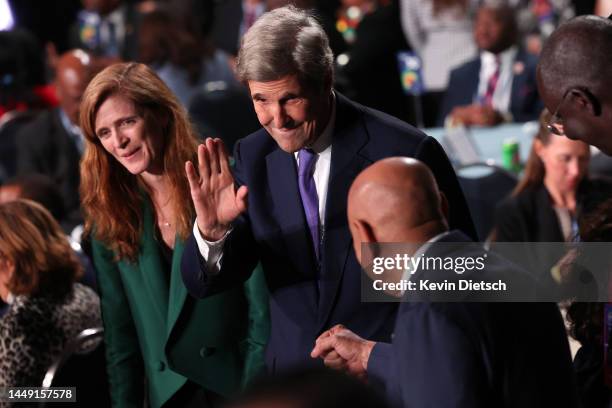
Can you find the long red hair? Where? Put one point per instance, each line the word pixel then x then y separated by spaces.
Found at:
pixel 111 197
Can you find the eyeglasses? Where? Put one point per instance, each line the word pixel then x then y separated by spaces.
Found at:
pixel 555 124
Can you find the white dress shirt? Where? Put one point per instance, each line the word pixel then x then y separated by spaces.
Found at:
pixel 503 89
pixel 212 252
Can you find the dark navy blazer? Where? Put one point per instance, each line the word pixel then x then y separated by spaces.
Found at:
pixel 525 102
pixel 495 354
pixel 305 300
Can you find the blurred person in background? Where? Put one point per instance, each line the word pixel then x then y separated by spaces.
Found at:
pixel 46 307
pixel 52 144
pixel 108 29
pixel 543 206
pixel 368 71
pixel 537 19
pixel 500 84
pixel 23 85
pixel 440 32
pixel 43 190
pixel 184 60
pixel 138 211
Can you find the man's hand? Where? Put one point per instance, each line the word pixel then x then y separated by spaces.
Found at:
pixel 342 349
pixel 217 203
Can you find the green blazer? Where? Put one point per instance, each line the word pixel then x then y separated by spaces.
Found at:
pixel 153 328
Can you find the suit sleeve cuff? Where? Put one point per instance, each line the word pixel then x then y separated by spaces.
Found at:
pixel 212 252
pixel 379 363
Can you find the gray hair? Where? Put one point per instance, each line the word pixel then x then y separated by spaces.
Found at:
pixel 287 41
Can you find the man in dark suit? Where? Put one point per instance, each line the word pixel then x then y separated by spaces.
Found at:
pixel 297 171
pixel 574 79
pixel 52 144
pixel 448 354
pixel 500 84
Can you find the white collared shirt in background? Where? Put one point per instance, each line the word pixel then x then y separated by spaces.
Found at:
pixel 503 90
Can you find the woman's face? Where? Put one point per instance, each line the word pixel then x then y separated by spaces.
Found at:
pixel 565 162
pixel 137 145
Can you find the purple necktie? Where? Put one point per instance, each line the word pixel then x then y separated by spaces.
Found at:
pixel 308 192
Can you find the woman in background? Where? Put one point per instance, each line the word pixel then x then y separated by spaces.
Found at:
pixel 47 308
pixel 138 210
pixel 543 206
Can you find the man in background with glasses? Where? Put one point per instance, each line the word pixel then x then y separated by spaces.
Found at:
pixel 574 78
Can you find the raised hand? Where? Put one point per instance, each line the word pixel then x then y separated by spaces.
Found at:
pixel 217 203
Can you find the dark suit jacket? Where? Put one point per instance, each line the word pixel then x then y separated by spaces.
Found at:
pixel 470 354
pixel 274 230
pixel 462 89
pixel 529 217
pixel 45 147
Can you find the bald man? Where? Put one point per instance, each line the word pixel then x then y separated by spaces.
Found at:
pixel 574 76
pixel 52 144
pixel 446 354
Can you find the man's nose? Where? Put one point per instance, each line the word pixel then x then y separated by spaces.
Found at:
pixel 574 168
pixel 279 116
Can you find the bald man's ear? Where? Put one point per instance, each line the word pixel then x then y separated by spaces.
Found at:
pixel 365 231
pixel 444 208
pixel 584 100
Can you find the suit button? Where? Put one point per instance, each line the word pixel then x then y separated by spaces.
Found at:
pixel 161 366
pixel 206 351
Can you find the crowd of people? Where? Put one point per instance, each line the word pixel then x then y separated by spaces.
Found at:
pixel 208 183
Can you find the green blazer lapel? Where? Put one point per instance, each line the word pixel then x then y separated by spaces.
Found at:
pixel 150 264
pixel 178 292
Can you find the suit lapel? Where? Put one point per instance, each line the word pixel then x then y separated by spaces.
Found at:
pixel 349 137
pixel 178 292
pixel 472 82
pixel 518 83
pixel 287 206
pixel 150 264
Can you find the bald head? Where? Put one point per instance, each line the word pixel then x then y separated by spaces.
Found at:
pixel 72 74
pixel 574 75
pixel 578 53
pixel 396 200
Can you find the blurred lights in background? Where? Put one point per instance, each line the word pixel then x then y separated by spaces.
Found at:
pixel 6 16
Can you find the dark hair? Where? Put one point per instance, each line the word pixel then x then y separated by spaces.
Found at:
pixel 163 39
pixel 33 241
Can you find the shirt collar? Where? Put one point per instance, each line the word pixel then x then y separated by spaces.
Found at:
pixel 505 57
pixel 68 125
pixel 422 250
